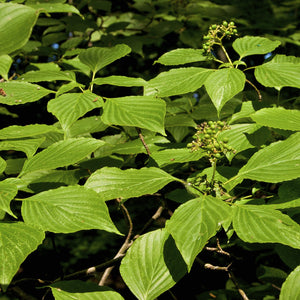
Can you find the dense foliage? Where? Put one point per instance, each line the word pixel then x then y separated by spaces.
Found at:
pixel 149 149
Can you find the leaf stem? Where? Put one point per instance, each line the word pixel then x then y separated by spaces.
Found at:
pixel 256 89
pixel 143 140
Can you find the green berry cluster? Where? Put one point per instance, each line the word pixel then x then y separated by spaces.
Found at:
pixel 217 32
pixel 206 138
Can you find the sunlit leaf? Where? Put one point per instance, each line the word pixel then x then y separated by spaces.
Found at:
pixel 5 64
pixel 120 81
pixel 47 75
pixel 289 289
pixel 7 192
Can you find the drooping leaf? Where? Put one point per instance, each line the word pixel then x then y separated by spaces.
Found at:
pixel 224 84
pixel 194 223
pixel 181 57
pixel 177 82
pixel 277 162
pixel 61 154
pixel 120 81
pixel 256 224
pixel 21 92
pixel 289 289
pixel 152 265
pixel 251 45
pixel 5 64
pixel 28 146
pixel 141 111
pixel 114 183
pixel 68 87
pixel 47 75
pixel 16 23
pixel 18 132
pixel 278 74
pixel 7 192
pixel 17 241
pixel 80 290
pixel 171 156
pixel 70 107
pixel 54 8
pixel 97 58
pixel 67 209
pixel 278 117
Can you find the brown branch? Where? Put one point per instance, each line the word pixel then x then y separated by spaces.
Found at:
pixel 217 249
pixel 142 140
pixel 241 292
pixel 256 89
pixel 124 247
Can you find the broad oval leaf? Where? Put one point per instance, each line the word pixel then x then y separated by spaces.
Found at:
pixel 18 132
pixel 17 241
pixel 16 23
pixel 97 58
pixel 290 288
pixel 5 64
pixel 68 108
pixel 61 154
pixel 47 75
pixel 224 84
pixel 152 265
pixel 67 209
pixel 21 92
pixel 277 162
pixel 114 183
pixel 141 111
pixel 76 289
pixel 278 117
pixel 251 45
pixel 181 57
pixel 194 223
pixel 257 224
pixel 7 192
pixel 279 75
pixel 120 81
pixel 177 82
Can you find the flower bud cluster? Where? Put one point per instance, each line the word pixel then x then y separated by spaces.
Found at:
pixel 206 139
pixel 217 32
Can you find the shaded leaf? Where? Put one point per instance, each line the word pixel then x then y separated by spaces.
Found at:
pixel 87 125
pixel 5 64
pixel 115 183
pixel 54 8
pixel 179 120
pixel 17 241
pixel 61 154
pixel 141 111
pixel 67 209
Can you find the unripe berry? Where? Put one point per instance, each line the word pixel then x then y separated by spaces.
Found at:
pixel 225 24
pixel 232 24
pixel 214 26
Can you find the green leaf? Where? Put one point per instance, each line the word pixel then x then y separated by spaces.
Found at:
pixel 47 75
pixel 79 290
pixel 114 183
pixel 278 74
pixel 67 209
pixel 54 8
pixel 5 64
pixel 17 241
pixel 181 57
pixel 177 82
pixel 277 162
pixel 8 191
pixel 172 156
pixel 17 132
pixel 21 92
pixel 290 288
pixel 68 108
pixel 120 81
pixel 68 87
pixel 29 146
pixel 141 111
pixel 257 224
pixel 16 23
pixel 87 125
pixel 97 58
pixel 252 45
pixel 2 164
pixel 194 223
pixel 278 117
pixel 61 154
pixel 152 265
pixel 179 120
pixel 224 84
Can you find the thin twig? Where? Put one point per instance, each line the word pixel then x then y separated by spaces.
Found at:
pixel 241 292
pixel 124 247
pixel 156 215
pixel 143 140
pixel 256 89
